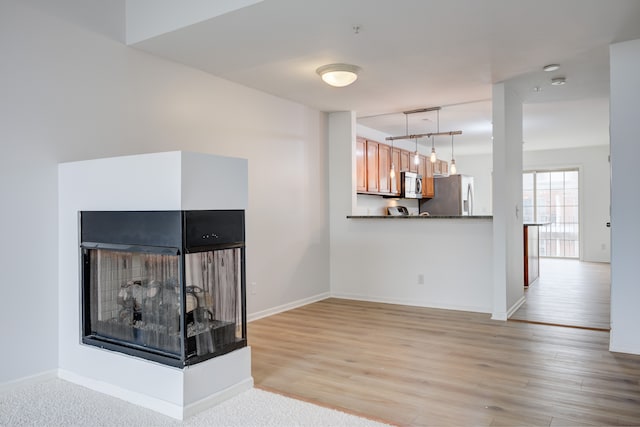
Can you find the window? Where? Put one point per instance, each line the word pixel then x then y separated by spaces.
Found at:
pixel 551 197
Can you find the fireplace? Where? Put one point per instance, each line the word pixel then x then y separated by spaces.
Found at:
pixel 166 286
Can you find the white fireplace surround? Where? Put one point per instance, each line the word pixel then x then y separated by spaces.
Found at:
pixel 175 180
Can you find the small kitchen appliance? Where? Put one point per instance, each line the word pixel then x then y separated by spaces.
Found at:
pixel 397 211
pixel 411 185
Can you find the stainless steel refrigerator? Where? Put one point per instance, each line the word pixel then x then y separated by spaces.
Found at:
pixel 453 196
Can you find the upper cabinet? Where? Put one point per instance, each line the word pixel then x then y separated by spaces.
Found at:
pixel 384 166
pixel 361 165
pixel 440 167
pixel 425 169
pixel 373 167
pixel 396 155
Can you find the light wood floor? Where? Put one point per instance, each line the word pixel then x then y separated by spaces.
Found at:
pixel 418 366
pixel 569 292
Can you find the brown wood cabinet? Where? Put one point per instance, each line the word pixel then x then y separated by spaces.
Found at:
pixel 440 167
pixel 404 160
pixel 428 184
pixel 531 241
pixel 437 167
pixel 372 166
pixel 395 181
pixel 384 165
pixel 444 167
pixel 361 165
pixel 413 166
pixel 426 170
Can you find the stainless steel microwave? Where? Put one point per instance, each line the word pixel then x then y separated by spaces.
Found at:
pixel 411 185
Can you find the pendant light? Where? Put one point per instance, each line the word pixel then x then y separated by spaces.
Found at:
pixel 392 171
pixel 416 157
pixel 433 156
pixel 452 170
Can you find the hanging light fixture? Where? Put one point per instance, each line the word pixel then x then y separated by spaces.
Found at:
pixel 452 170
pixel 338 75
pixel 392 172
pixel 433 156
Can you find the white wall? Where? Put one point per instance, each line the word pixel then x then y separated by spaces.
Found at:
pixel 480 167
pixel 151 18
pixel 507 201
pixel 594 180
pixel 381 259
pixel 72 94
pixel 625 202
pixel 593 165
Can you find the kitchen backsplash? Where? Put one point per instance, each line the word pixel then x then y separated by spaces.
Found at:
pixel 376 205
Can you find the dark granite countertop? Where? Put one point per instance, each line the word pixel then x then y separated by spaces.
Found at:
pixel 419 217
pixel 534 224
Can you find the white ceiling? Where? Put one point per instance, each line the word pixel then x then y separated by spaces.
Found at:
pixel 422 53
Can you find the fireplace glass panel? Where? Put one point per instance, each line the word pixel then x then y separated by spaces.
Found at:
pixel 166 286
pixel 136 298
pixel 213 300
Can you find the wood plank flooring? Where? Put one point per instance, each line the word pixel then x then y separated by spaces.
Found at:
pixel 569 292
pixel 420 367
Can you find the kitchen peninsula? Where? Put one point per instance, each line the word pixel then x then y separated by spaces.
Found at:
pixel 467 217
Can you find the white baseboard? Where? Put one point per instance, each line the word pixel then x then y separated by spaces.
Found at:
pixel 286 307
pixel 166 408
pixel 217 398
pixel 158 405
pixel 504 316
pixel 32 379
pixel 399 301
pixel 516 306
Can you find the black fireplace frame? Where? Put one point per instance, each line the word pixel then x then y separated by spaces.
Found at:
pixel 166 233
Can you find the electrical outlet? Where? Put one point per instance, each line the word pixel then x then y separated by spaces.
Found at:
pixel 253 288
pixel 420 279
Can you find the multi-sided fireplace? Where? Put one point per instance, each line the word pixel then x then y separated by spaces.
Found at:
pixel 167 286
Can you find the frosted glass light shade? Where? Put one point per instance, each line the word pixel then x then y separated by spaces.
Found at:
pixel 338 75
pixel 433 157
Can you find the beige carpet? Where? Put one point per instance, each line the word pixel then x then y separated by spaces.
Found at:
pixel 60 403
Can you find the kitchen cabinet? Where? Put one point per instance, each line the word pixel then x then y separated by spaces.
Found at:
pixel 413 166
pixel 361 165
pixel 440 167
pixel 372 166
pixel 531 241
pixel 444 167
pixel 436 167
pixel 425 169
pixel 384 166
pixel 404 160
pixel 395 181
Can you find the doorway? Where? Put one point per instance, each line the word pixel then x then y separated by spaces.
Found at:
pixel 551 197
pixel 568 292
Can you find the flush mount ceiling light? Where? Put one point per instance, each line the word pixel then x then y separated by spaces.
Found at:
pixel 551 67
pixel 558 81
pixel 338 75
